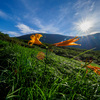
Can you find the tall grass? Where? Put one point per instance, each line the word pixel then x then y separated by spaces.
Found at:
pixel 22 76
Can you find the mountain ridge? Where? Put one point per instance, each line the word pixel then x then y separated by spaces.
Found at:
pixel 87 42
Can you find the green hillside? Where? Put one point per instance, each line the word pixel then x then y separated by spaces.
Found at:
pixel 59 76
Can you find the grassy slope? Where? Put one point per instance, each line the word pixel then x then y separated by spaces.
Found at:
pixel 78 54
pixel 23 76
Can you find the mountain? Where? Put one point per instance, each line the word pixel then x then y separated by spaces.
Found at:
pixel 47 38
pixel 90 41
pixel 87 42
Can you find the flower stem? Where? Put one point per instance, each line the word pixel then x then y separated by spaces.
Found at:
pixel 46 60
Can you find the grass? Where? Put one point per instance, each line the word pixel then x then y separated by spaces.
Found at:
pixel 78 54
pixel 94 64
pixel 24 77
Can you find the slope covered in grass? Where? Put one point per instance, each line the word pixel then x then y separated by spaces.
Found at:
pixel 68 52
pixel 78 54
pixel 23 76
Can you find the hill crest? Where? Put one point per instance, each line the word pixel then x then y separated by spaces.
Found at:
pixel 87 42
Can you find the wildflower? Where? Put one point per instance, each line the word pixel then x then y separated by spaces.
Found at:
pixel 35 39
pixel 68 42
pixel 94 68
pixel 40 55
pixel 97 71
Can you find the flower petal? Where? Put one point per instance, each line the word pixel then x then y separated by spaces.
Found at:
pixel 31 42
pixel 67 42
pixel 32 37
pixel 74 44
pixel 38 36
pixel 37 42
pixel 95 69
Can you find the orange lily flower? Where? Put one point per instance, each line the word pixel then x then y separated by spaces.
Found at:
pixel 95 69
pixel 35 39
pixel 41 55
pixel 68 42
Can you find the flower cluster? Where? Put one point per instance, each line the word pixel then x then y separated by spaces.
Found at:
pixel 35 40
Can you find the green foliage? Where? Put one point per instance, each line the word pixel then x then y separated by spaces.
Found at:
pixel 5 37
pixel 57 77
pixel 22 75
pixel 82 54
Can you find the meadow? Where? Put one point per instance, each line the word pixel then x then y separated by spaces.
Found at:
pixel 61 75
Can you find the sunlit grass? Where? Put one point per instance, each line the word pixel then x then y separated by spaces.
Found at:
pixel 23 78
pixel 94 64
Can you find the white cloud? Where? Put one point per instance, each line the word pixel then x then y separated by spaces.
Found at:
pixel 52 21
pixel 84 7
pixel 92 6
pixel 86 4
pixel 12 33
pixel 5 15
pixel 61 20
pixel 94 32
pixel 48 28
pixel 26 29
pixel 2 14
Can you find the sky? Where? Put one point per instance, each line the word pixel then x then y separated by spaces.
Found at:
pixel 64 17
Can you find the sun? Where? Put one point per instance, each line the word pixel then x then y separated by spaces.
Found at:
pixel 84 25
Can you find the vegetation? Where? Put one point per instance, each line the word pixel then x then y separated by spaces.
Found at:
pixel 5 37
pixel 83 54
pixel 57 77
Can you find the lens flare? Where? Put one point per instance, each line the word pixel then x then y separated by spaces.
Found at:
pixel 84 25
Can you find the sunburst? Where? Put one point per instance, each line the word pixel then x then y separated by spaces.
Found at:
pixel 84 25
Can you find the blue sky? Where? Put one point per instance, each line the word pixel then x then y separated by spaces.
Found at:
pixel 65 17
